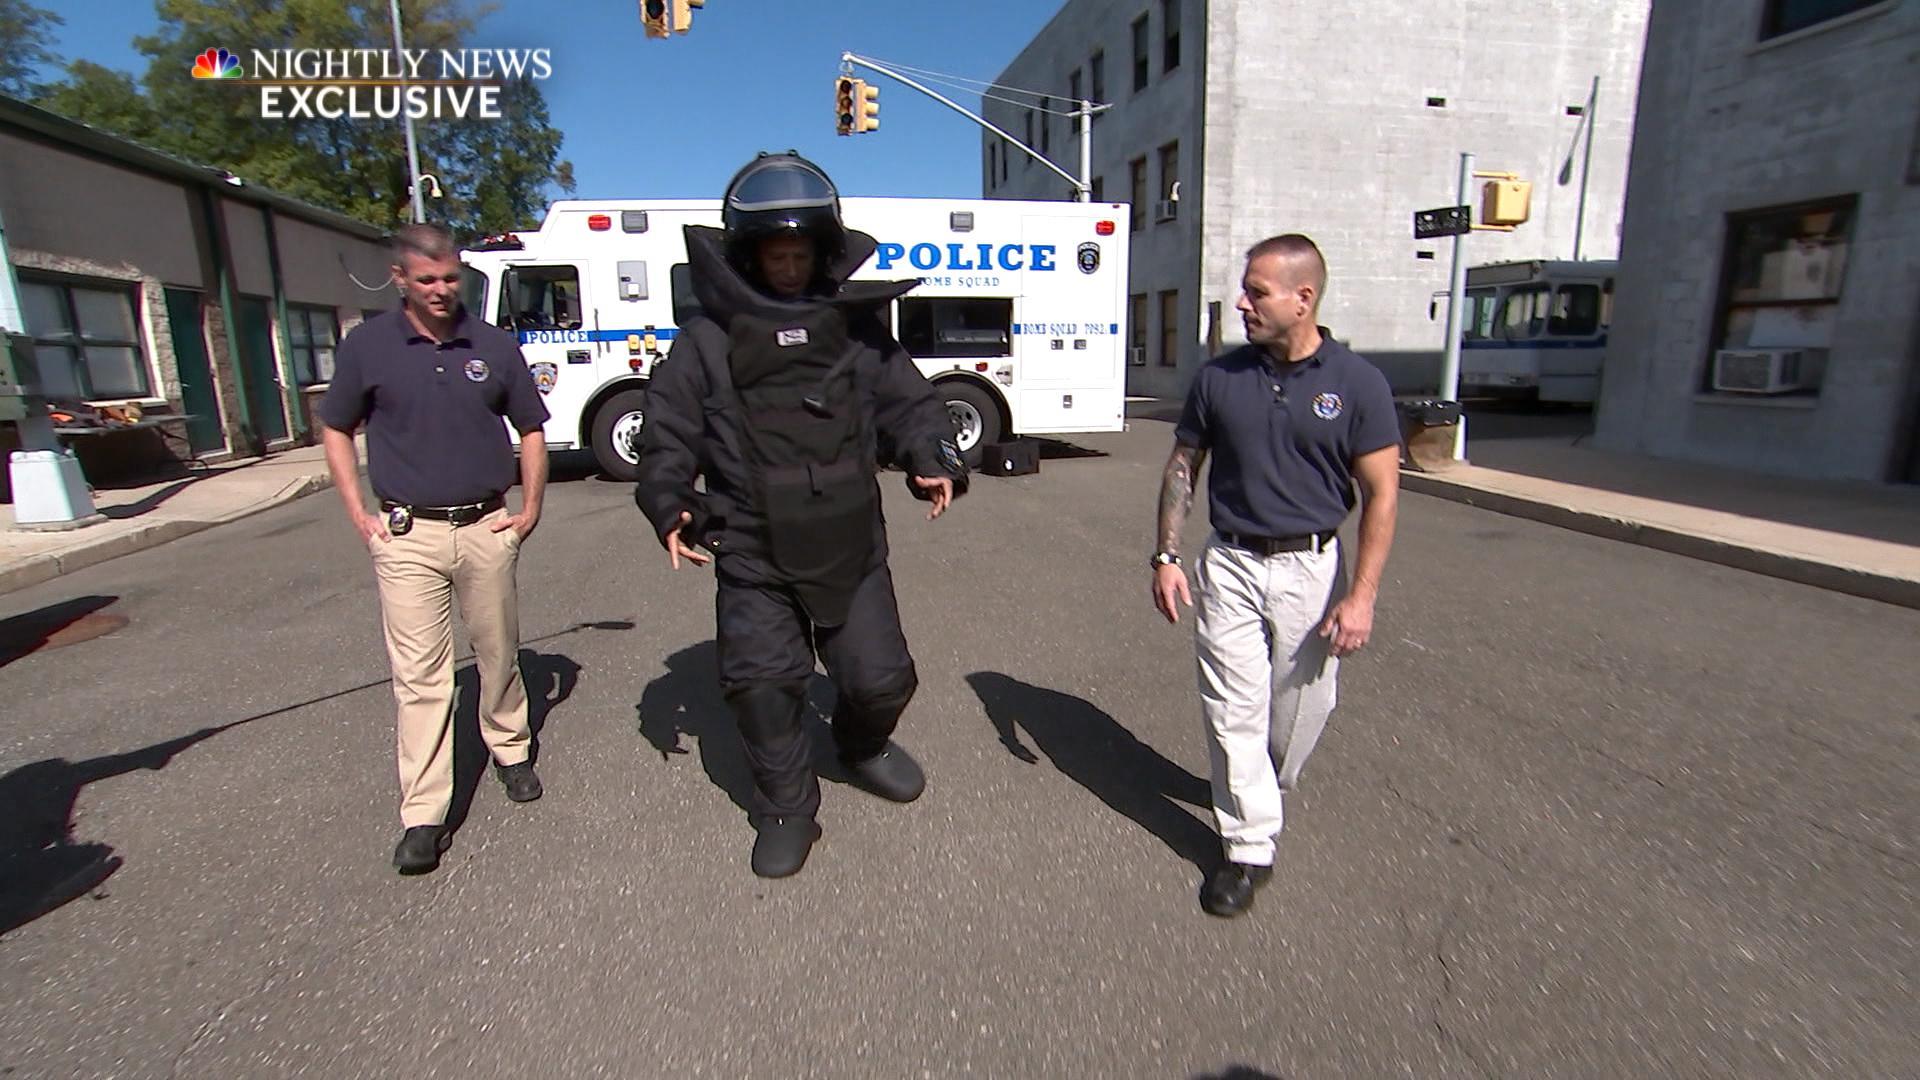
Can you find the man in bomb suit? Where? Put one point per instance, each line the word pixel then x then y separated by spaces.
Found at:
pixel 784 393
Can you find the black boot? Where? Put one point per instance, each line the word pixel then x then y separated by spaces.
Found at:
pixel 890 774
pixel 782 846
pixel 419 849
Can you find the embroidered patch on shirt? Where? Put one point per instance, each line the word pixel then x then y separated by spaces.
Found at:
pixel 477 370
pixel 1327 406
pixel 796 336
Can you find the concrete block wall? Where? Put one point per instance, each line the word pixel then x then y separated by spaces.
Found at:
pixel 1730 123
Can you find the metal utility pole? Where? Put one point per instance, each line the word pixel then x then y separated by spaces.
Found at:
pixel 1083 184
pixel 406 118
pixel 1456 294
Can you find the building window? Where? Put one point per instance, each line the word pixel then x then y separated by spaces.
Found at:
pixel 85 340
pixel 1781 292
pixel 1003 160
pixel 992 174
pixel 1027 160
pixel 1786 16
pixel 1073 91
pixel 1137 180
pixel 956 326
pixel 1099 189
pixel 1170 328
pixel 1097 80
pixel 313 332
pixel 1139 54
pixel 1169 35
pixel 1137 329
pixel 1046 126
pixel 1169 179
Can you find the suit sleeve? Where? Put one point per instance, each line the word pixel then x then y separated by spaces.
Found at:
pixel 912 422
pixel 672 442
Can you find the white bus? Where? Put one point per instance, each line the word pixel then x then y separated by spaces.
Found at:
pixel 1019 319
pixel 1536 329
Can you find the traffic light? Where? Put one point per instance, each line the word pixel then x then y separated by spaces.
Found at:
pixel 866 107
pixel 653 16
pixel 683 14
pixel 1506 202
pixel 845 91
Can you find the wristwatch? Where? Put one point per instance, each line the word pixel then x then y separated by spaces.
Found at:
pixel 1165 558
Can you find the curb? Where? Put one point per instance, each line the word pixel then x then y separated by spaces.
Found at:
pixel 35 569
pixel 1854 581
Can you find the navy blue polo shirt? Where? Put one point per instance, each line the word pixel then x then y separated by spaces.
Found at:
pixel 433 409
pixel 1283 441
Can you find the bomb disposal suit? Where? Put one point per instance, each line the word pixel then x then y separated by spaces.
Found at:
pixel 785 406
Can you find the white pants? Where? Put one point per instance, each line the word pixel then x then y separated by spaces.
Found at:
pixel 1266 680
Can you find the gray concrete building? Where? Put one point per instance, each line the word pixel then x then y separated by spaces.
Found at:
pixel 181 290
pixel 1768 306
pixel 1336 120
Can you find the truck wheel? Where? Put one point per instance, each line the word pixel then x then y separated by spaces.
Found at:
pixel 616 434
pixel 976 418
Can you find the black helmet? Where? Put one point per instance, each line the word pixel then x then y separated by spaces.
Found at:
pixel 782 193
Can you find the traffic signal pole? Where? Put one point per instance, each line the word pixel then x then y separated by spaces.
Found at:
pixel 1082 184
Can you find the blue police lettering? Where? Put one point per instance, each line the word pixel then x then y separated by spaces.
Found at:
pixel 927 256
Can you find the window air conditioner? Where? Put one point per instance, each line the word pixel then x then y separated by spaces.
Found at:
pixel 1137 355
pixel 1166 209
pixel 1767 371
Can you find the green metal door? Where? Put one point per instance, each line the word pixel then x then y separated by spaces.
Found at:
pixel 186 316
pixel 257 368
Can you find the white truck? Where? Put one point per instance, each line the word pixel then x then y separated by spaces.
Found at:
pixel 1019 319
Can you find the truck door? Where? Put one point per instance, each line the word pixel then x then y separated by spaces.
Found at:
pixel 545 306
pixel 1068 373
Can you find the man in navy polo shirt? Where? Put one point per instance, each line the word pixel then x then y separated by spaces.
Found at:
pixel 432 382
pixel 1292 419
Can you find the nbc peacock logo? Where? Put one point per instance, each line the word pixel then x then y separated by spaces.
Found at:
pixel 216 64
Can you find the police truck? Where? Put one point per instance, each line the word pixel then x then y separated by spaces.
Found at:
pixel 1019 319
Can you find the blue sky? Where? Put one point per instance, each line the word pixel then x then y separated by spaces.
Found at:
pixel 674 118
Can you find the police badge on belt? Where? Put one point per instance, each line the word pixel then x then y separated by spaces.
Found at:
pixel 399 520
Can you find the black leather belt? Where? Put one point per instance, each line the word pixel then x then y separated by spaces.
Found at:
pixel 452 515
pixel 1274 545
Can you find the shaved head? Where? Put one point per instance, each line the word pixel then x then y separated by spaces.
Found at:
pixel 1296 262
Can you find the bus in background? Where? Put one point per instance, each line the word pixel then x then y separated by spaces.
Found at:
pixel 1536 329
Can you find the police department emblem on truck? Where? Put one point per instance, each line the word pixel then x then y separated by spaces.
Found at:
pixel 1018 337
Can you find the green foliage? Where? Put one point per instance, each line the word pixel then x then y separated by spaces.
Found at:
pixel 495 175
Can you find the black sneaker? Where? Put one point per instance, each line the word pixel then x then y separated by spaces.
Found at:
pixel 522 784
pixel 782 846
pixel 890 774
pixel 419 849
pixel 1229 890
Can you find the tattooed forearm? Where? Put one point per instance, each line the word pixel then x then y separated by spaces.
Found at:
pixel 1176 494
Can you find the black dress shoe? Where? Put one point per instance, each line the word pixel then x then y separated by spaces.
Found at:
pixel 420 848
pixel 1229 890
pixel 523 785
pixel 890 774
pixel 781 848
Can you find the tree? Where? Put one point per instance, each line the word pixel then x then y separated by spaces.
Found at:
pixel 493 171
pixel 26 35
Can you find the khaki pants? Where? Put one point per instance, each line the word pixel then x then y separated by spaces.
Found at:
pixel 1266 680
pixel 420 575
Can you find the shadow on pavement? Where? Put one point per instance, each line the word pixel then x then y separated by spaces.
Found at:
pixel 550 679
pixel 1238 1072
pixel 686 701
pixel 1098 753
pixel 41 866
pixel 31 631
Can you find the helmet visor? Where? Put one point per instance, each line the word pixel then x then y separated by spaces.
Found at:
pixel 779 185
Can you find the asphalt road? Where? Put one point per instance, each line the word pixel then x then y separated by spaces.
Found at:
pixel 1585 810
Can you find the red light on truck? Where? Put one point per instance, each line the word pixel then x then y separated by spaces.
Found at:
pixel 1104 228
pixel 599 222
pixel 980 367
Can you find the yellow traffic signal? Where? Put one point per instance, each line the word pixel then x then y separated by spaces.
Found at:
pixel 683 14
pixel 845 92
pixel 653 16
pixel 1506 202
pixel 866 105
